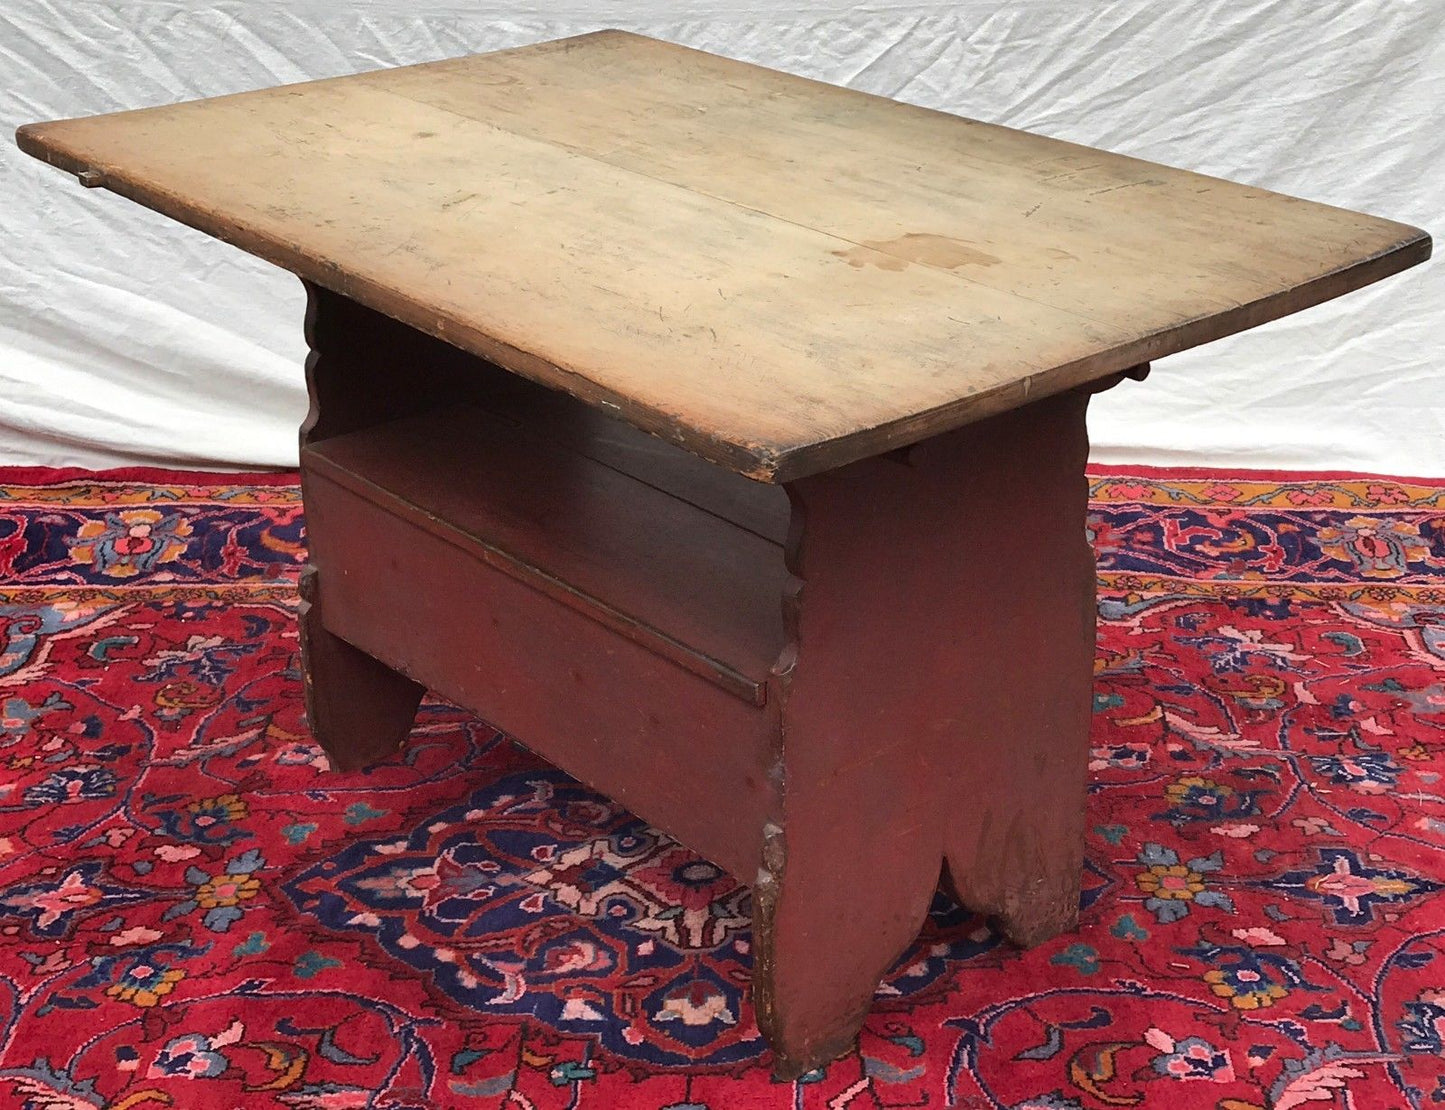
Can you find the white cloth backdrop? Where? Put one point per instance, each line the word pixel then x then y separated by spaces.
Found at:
pixel 127 338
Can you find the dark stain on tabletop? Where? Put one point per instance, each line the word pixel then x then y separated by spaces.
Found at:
pixel 921 247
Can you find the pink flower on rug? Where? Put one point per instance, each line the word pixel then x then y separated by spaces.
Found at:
pixel 1258 936
pixel 1310 495
pixel 175 853
pixel 1386 494
pixel 1189 1058
pixel 137 934
pixel 72 893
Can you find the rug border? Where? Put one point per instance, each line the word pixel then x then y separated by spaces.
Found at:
pixel 46 475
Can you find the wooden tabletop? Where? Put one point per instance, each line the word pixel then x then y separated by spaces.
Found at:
pixel 780 275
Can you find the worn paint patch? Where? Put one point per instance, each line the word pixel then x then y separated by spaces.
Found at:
pixel 922 247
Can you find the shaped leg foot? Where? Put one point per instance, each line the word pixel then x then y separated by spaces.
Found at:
pixel 358 708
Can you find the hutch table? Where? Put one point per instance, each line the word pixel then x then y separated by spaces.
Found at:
pixel 720 434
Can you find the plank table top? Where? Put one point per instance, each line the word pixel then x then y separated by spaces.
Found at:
pixel 778 274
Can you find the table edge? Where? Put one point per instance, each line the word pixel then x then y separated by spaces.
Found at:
pixel 800 462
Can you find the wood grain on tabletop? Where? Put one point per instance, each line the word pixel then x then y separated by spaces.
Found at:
pixel 779 274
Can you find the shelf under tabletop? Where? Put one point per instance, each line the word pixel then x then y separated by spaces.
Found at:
pixel 659 558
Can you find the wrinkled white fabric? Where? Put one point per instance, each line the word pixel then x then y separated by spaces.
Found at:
pixel 125 337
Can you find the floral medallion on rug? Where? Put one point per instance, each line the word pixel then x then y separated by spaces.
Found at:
pixel 196 913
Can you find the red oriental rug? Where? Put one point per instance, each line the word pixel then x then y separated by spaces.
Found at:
pixel 197 914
